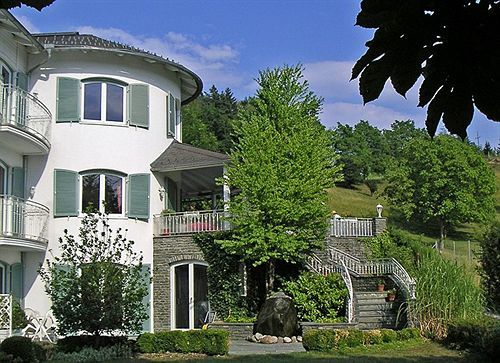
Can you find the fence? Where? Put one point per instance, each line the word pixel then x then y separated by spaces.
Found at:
pixel 189 222
pixel 5 316
pixel 351 227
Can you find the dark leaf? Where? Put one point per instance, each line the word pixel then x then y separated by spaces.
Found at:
pixel 371 54
pixel 458 111
pixel 37 4
pixel 373 78
pixel 429 87
pixel 435 110
pixel 407 70
pixel 486 94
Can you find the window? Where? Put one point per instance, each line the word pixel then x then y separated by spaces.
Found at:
pixel 103 101
pixel 173 115
pixel 104 192
pixel 2 279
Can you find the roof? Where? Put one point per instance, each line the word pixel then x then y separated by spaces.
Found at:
pixel 180 156
pixel 191 84
pixel 19 32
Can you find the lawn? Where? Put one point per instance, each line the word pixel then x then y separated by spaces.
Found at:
pixel 409 351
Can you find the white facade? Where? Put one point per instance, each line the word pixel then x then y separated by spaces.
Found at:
pixel 86 148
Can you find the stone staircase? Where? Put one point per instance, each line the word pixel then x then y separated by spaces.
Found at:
pixel 373 311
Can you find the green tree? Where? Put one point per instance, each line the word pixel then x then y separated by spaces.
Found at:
pixel 399 134
pixel 490 266
pixel 208 121
pixel 96 284
pixel 453 44
pixel 444 181
pixel 281 166
pixel 362 150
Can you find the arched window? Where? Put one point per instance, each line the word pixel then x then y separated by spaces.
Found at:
pixel 104 191
pixel 103 101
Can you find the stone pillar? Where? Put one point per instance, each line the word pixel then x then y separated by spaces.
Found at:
pixel 379 225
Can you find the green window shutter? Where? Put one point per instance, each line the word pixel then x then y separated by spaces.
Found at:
pixel 68 100
pixel 171 116
pixel 171 194
pixel 18 182
pixel 22 81
pixel 138 196
pixel 138 105
pixel 146 301
pixel 65 193
pixel 16 280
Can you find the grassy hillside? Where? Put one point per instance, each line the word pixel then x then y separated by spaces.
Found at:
pixel 357 202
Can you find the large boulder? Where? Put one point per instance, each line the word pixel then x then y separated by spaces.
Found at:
pixel 278 316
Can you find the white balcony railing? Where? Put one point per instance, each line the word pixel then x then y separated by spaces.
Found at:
pixel 23 110
pixel 351 227
pixel 189 222
pixel 23 219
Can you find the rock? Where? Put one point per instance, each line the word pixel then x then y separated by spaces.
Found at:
pixel 294 339
pixel 269 339
pixel 278 316
pixel 249 338
pixel 299 338
pixel 280 340
pixel 287 340
pixel 254 339
pixel 258 336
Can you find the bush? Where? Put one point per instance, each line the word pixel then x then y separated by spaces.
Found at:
pixel 44 350
pixel 20 348
pixel 354 338
pixel 388 335
pixel 88 354
pixel 408 333
pixel 19 320
pixel 76 343
pixel 482 335
pixel 318 298
pixel 372 337
pixel 490 268
pixel 211 342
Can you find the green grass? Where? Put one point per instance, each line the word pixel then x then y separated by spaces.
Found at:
pixel 357 202
pixel 408 351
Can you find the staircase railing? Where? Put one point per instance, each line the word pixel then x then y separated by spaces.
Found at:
pixel 315 264
pixel 387 266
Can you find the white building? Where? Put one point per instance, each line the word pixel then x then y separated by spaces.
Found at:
pixel 81 121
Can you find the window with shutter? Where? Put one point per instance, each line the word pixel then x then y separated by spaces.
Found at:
pixel 171 116
pixel 16 280
pixel 138 196
pixel 18 182
pixel 68 100
pixel 138 105
pixel 65 193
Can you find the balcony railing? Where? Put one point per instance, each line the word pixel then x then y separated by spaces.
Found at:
pixel 23 219
pixel 189 223
pixel 23 110
pixel 351 227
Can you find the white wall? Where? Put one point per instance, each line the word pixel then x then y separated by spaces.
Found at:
pixel 83 146
pixel 12 53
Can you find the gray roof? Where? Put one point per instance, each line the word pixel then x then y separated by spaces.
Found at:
pixel 19 33
pixel 191 85
pixel 180 156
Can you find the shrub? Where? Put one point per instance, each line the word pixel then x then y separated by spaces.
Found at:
pixel 329 340
pixel 19 320
pixel 211 342
pixel 76 343
pixel 372 337
pixel 408 333
pixel 490 268
pixel 94 355
pixel 44 350
pixel 482 335
pixel 19 347
pixel 388 335
pixel 354 338
pixel 318 298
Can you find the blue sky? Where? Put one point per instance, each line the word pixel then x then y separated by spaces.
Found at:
pixel 227 42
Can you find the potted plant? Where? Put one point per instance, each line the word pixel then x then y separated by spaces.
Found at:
pixel 380 285
pixel 391 295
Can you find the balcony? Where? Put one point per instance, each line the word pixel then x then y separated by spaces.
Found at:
pixel 23 224
pixel 189 222
pixel 24 122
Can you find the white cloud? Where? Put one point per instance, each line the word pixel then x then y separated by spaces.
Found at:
pixel 32 28
pixel 214 63
pixel 379 116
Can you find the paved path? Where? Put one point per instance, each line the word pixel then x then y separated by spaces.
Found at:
pixel 242 347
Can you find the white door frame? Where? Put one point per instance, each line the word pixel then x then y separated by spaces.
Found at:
pixel 173 286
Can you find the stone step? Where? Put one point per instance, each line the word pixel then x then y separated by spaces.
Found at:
pixel 377 307
pixel 371 301
pixel 377 319
pixel 374 313
pixel 370 294
pixel 370 326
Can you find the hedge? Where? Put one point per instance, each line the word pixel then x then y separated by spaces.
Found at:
pixel 329 340
pixel 211 342
pixel 481 335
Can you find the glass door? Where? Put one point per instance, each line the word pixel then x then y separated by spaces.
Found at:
pixel 190 295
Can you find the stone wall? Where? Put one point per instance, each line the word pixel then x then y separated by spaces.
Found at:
pixel 379 225
pixel 167 251
pixel 238 331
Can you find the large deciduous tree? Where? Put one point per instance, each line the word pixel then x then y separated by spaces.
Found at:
pixel 37 4
pixel 281 165
pixel 443 181
pixel 454 44
pixel 96 283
